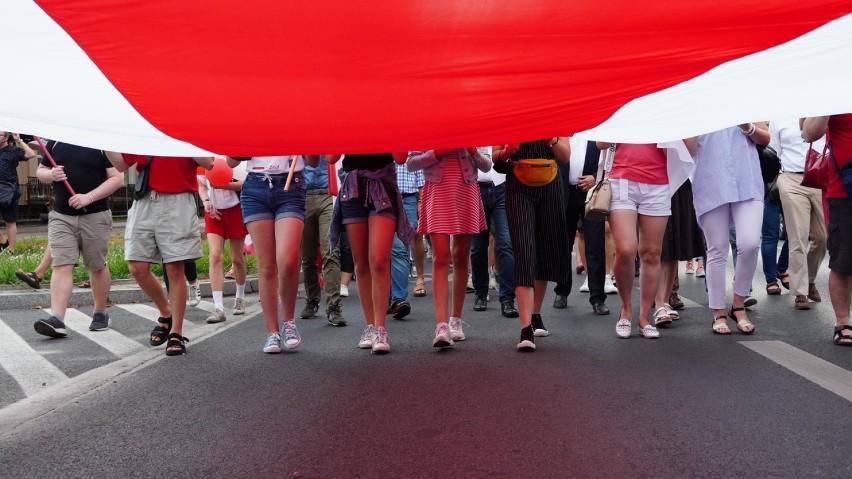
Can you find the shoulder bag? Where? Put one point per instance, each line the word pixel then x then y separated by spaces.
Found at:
pixel 599 198
pixel 816 167
pixel 142 180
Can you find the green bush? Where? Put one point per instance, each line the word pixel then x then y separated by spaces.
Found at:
pixel 29 252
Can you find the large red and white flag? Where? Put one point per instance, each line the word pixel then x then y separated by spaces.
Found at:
pixel 247 77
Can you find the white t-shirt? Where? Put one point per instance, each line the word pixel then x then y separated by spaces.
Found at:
pixel 274 165
pixel 219 198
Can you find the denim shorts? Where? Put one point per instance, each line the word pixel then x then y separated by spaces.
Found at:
pixel 357 211
pixel 263 197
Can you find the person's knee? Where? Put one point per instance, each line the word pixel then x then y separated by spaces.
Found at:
pixel 215 258
pixel 380 266
pixel 138 270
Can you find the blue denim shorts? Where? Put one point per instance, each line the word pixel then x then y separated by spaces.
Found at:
pixel 263 197
pixel 356 211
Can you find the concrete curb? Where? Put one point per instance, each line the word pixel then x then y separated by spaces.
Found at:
pixel 123 291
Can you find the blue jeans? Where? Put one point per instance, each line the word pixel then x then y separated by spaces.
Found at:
pixel 494 203
pixel 400 255
pixel 772 265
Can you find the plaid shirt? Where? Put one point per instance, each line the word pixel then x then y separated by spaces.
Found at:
pixel 408 182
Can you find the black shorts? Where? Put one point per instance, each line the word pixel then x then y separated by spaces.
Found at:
pixel 840 235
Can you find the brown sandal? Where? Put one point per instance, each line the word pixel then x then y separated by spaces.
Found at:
pixel 785 280
pixel 420 289
pixel 773 289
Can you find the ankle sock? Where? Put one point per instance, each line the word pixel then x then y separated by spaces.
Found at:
pixel 241 290
pixel 218 301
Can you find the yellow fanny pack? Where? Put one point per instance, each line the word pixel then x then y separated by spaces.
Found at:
pixel 535 172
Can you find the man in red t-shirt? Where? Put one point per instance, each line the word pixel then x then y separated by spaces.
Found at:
pixel 839 133
pixel 162 226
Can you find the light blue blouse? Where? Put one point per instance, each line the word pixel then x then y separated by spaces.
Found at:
pixel 727 170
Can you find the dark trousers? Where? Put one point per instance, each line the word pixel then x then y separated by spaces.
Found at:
pixel 494 203
pixel 595 247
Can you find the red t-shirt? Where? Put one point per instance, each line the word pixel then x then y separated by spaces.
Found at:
pixel 840 134
pixel 643 163
pixel 168 174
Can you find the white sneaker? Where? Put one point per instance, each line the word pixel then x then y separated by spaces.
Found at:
pixel 273 344
pixel 622 328
pixel 380 341
pixel 217 316
pixel 585 287
pixel 492 279
pixel 456 330
pixel 194 294
pixel 239 306
pixel 609 286
pixel 292 339
pixel 690 269
pixel 442 336
pixel 367 336
pixel 649 332
pixel 344 291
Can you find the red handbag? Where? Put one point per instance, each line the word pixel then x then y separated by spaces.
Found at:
pixel 816 168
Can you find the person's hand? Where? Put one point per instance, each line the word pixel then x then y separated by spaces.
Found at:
pixel 57 174
pixel 16 136
pixel 585 183
pixel 80 201
pixel 211 210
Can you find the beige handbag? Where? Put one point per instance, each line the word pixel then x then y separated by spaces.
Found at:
pixel 599 198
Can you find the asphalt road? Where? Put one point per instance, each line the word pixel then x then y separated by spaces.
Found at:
pixel 585 404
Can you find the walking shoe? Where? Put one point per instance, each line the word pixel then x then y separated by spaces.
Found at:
pixel 507 309
pixel 699 271
pixel 584 288
pixel 750 302
pixel 194 294
pixel 649 332
pixel 690 269
pixel 335 316
pixel 492 279
pixel 470 288
pixel 801 302
pixel 538 326
pixel 609 286
pixel 100 322
pixel 480 303
pixel 813 293
pixel 310 311
pixel 217 316
pixel 456 329
pixel 367 336
pixel 675 301
pixel 600 308
pixel 623 328
pixel 442 336
pixel 561 302
pixel 400 309
pixel 30 278
pixel 380 342
pixel 239 306
pixel 344 291
pixel 273 344
pixel 52 326
pixel 292 340
pixel 527 343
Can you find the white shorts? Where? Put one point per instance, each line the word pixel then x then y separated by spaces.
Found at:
pixel 648 200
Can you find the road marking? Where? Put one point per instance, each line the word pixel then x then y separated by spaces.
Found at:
pixel 152 314
pixel 206 306
pixel 831 377
pixel 111 340
pixel 26 365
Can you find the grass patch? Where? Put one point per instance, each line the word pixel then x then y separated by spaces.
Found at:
pixel 30 250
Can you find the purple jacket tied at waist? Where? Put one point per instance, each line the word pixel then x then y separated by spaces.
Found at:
pixel 381 184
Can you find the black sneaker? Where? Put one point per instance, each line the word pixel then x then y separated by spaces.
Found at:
pixel 400 308
pixel 507 308
pixel 335 316
pixel 527 342
pixel 310 310
pixel 52 326
pixel 100 322
pixel 561 302
pixel 480 303
pixel 538 326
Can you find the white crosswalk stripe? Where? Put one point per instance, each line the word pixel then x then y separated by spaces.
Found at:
pixel 151 313
pixel 111 340
pixel 27 366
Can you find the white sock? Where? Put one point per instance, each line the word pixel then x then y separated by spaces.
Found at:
pixel 217 300
pixel 241 290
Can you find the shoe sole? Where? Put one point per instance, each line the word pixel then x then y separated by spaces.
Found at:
pixel 238 312
pixel 750 303
pixel 402 312
pixel 337 324
pixel 272 350
pixel 511 315
pixel 47 330
pixel 217 320
pixel 541 333
pixel 526 346
pixel 305 316
pixel 293 346
pixel 440 343
pixel 365 345
pixel 380 351
pixel 560 306
pixel 459 338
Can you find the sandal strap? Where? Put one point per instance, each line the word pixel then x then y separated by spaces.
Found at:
pixel 733 309
pixel 175 337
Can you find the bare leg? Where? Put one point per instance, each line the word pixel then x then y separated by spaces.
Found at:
pixel 46 260
pixel 668 273
pixel 217 277
pixel 151 286
pixel 381 234
pixel 12 234
pixel 651 230
pixel 440 271
pixel 840 291
pixel 610 249
pixel 419 254
pixel 288 236
pixel 177 294
pixel 580 248
pixel 623 225
pixel 60 288
pixel 100 280
pixel 263 238
pixel 524 295
pixel 359 243
pixel 461 260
